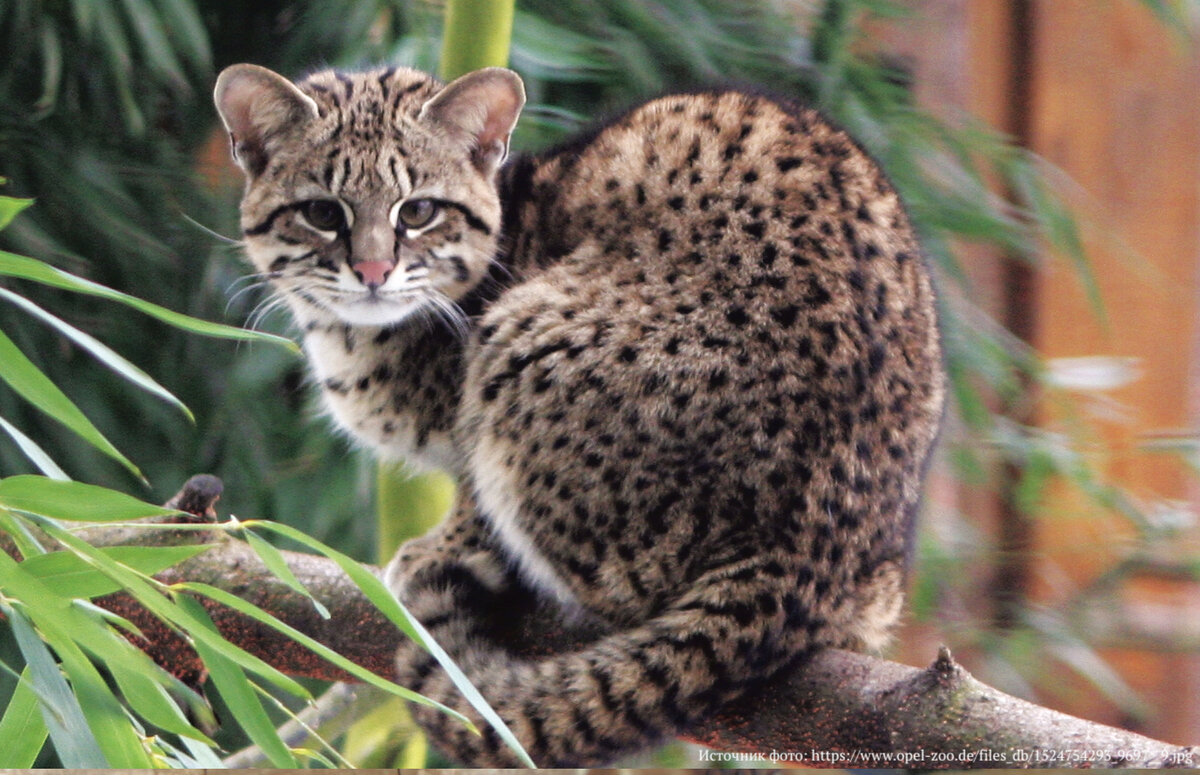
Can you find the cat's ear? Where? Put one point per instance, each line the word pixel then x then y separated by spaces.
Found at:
pixel 485 104
pixel 257 105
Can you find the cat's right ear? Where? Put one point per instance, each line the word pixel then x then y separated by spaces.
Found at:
pixel 258 105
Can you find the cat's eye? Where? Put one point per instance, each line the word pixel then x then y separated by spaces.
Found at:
pixel 416 213
pixel 323 214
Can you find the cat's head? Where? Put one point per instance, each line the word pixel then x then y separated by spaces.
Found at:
pixel 369 196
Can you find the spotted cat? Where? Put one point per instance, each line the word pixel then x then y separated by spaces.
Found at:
pixel 686 367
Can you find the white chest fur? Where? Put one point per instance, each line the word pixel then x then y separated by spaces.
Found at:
pixel 361 391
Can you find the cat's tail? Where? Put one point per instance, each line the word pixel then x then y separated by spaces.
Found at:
pixel 629 689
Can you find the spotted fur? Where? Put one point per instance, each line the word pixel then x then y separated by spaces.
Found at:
pixel 686 367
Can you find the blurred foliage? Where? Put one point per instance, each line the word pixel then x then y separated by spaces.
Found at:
pixel 105 118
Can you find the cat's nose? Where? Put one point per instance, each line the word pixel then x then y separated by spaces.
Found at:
pixel 373 273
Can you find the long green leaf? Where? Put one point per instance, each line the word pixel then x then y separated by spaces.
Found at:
pixel 275 563
pixel 62 626
pixel 155 47
pixel 26 542
pixel 171 612
pixel 23 731
pixel 10 206
pixel 362 674
pixel 120 741
pixel 69 575
pixel 99 351
pixel 387 603
pixel 73 501
pixel 231 682
pixel 34 452
pixel 142 683
pixel 13 265
pixel 74 742
pixel 35 387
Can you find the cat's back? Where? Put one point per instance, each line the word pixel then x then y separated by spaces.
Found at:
pixel 721 309
pixel 741 192
pixel 729 218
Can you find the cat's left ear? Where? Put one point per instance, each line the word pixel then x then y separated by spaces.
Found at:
pixel 485 104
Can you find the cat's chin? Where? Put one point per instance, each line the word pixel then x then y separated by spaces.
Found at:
pixel 375 313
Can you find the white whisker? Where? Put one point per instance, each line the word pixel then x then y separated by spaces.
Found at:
pixel 212 232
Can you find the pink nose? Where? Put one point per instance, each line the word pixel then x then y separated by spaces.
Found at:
pixel 373 273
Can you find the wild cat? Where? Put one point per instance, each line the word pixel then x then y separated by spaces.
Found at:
pixel 686 368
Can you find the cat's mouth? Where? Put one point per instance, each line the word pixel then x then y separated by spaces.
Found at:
pixel 375 307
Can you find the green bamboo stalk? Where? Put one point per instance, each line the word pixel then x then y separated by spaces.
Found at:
pixel 407 505
pixel 477 34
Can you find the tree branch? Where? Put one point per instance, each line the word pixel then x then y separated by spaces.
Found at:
pixel 836 709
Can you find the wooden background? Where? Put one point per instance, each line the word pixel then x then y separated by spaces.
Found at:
pixel 1110 96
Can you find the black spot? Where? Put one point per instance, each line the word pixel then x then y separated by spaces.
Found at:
pixel 769 253
pixel 785 315
pixel 665 238
pixel 817 295
pixel 675 203
pixel 773 425
pixel 737 316
pixel 875 358
pixel 750 176
pixel 787 163
pixel 628 354
pixel 490 390
pixel 755 229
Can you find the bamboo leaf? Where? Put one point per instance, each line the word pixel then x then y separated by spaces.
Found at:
pixel 114 732
pixel 142 683
pixel 186 29
pixel 10 207
pixel 61 626
pixel 73 501
pixel 387 603
pixel 231 683
pixel 25 541
pixel 34 452
pixel 35 387
pixel 99 351
pixel 275 563
pixel 13 265
pixel 69 575
pixel 170 611
pixel 153 42
pixel 23 731
pixel 362 674
pixel 74 742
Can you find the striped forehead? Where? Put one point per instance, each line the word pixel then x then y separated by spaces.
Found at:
pixel 366 115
